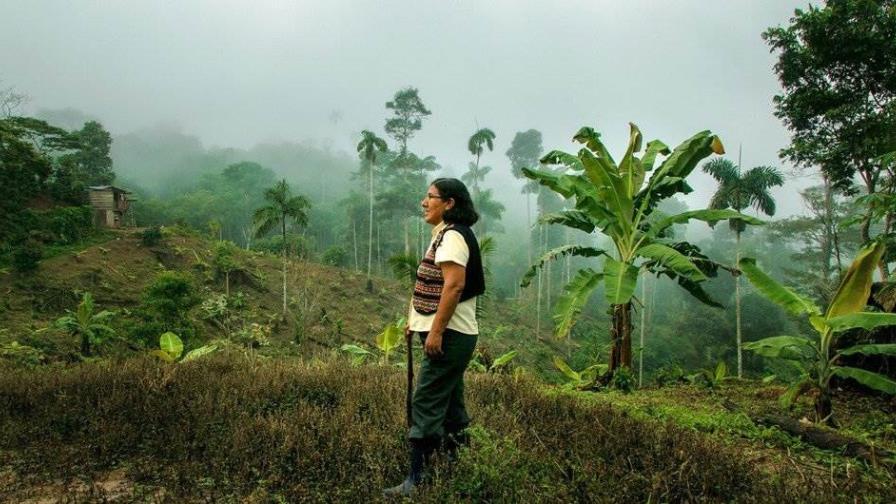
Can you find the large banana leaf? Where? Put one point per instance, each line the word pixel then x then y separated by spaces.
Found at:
pixel 171 344
pixel 574 297
pixel 610 186
pixel 791 301
pixel 503 360
pixel 556 253
pixel 557 182
pixel 852 295
pixel 871 349
pixel 680 163
pixel 672 259
pixel 587 197
pixel 654 148
pixel 630 169
pixel 867 378
pixel 390 336
pixel 564 368
pixel 575 219
pixel 620 280
pixel 701 215
pixel 863 320
pixel 784 347
pixel 199 352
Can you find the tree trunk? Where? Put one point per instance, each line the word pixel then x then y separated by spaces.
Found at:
pixel 828 240
pixel 355 241
pixel 85 345
pixel 227 283
pixel 284 265
pixel 740 365
pixel 370 227
pixel 824 409
pixel 643 324
pixel 538 293
pixel 884 269
pixel 621 337
pixel 529 225
pixel 407 238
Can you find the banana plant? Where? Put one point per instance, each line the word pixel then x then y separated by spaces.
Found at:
pixel 386 342
pixel 171 347
pixel 87 325
pixel 389 338
pixel 819 359
pixel 498 365
pixel 710 378
pixel 579 379
pixel 617 199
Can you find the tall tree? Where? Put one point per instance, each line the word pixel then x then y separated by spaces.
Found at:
pixel 91 162
pixel 408 112
pixel 739 190
pixel 282 208
pixel 26 145
pixel 478 142
pixel 524 152
pixel 368 148
pixel 835 63
pixel 821 241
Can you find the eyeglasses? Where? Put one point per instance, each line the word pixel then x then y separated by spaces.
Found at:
pixel 434 196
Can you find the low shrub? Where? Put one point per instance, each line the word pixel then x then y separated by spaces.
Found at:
pixel 26 257
pixel 151 236
pixel 335 256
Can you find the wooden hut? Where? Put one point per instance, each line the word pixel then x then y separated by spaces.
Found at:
pixel 109 204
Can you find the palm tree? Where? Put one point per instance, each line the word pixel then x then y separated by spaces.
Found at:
pixel 483 138
pixel 737 191
pixel 282 207
pixel 368 148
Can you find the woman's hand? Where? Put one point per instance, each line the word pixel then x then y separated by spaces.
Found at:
pixel 433 344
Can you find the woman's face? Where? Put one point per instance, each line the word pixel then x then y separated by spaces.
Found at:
pixel 434 206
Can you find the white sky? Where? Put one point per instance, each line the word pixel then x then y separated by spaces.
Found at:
pixel 237 73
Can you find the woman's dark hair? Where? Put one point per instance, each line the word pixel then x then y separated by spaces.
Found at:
pixel 462 212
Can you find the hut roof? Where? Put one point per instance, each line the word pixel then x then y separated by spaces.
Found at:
pixel 106 187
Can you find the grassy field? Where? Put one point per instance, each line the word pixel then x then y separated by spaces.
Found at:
pixel 328 306
pixel 236 427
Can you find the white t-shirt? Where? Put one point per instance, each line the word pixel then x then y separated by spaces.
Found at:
pixel 453 249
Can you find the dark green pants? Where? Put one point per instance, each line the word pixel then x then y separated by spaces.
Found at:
pixel 438 407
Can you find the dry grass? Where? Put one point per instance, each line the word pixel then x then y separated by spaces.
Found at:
pixel 233 428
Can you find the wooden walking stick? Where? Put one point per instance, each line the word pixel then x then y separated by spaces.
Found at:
pixel 409 337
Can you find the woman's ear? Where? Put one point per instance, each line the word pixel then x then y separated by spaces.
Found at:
pixel 449 203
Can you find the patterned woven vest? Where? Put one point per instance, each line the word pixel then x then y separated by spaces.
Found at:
pixel 428 288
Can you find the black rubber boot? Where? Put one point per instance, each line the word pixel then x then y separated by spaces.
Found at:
pixel 452 442
pixel 421 452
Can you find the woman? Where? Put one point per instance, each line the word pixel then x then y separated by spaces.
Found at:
pixel 443 314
